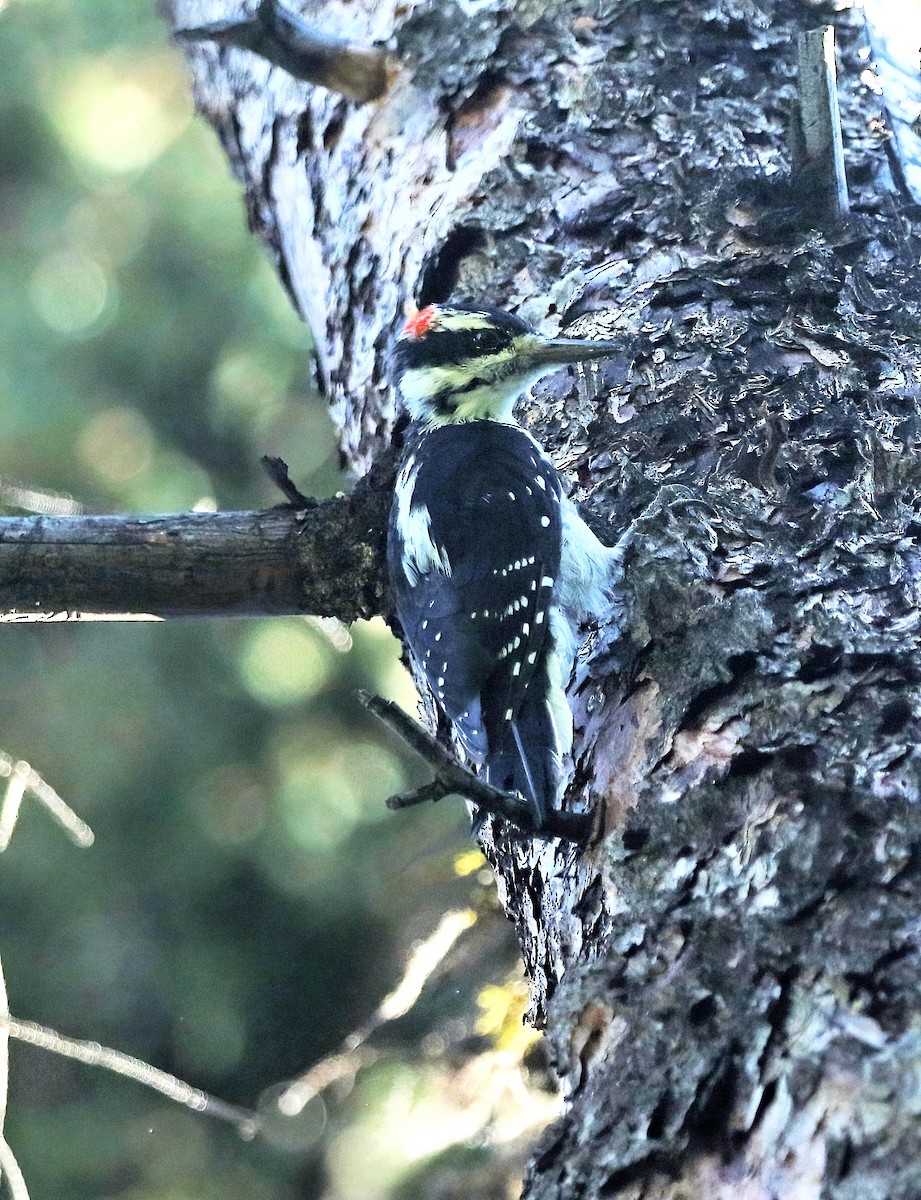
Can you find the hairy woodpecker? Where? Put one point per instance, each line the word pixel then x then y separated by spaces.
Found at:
pixel 492 568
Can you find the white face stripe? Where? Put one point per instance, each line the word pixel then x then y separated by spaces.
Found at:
pixel 461 320
pixel 494 400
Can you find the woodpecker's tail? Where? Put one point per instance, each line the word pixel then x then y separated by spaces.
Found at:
pixel 531 757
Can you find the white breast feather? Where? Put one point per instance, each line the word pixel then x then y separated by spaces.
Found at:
pixel 589 570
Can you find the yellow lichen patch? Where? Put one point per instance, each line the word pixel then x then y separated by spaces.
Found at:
pixel 468 863
pixel 502 1008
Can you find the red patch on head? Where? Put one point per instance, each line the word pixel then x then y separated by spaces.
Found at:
pixel 418 325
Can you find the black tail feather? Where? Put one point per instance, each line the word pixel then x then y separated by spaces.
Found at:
pixel 528 761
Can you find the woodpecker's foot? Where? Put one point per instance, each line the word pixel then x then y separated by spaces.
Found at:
pixel 277 471
pixel 453 779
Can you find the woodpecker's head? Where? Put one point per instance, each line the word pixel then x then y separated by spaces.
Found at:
pixel 461 364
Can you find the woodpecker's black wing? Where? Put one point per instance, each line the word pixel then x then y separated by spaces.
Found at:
pixel 474 552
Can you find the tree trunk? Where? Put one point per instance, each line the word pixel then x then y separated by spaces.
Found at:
pixel 729 979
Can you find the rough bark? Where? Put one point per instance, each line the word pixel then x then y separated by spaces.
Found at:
pixel 730 979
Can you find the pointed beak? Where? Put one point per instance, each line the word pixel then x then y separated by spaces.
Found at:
pixel 547 352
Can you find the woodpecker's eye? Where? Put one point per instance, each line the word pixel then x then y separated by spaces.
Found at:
pixel 486 340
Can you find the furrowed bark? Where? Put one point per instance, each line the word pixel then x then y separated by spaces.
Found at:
pixel 730 980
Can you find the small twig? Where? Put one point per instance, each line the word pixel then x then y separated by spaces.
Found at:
pixel 4 1061
pixel 335 1068
pixel 428 793
pixel 355 1053
pixel 284 40
pixel 94 1055
pixel 817 147
pixel 22 779
pixel 38 500
pixel 15 1180
pixel 277 471
pixel 453 779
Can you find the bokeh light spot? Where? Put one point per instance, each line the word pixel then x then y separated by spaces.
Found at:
pixel 69 291
pixel 396 683
pixel 318 805
pixel 231 804
pixel 298 1131
pixel 243 387
pixel 121 119
pixel 281 662
pixel 117 444
pixel 112 225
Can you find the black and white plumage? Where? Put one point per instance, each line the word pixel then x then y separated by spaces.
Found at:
pixel 491 566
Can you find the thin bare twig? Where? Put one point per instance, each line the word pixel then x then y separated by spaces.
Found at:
pixel 23 779
pixel 15 1180
pixel 355 1053
pixel 95 1055
pixel 277 470
pixel 453 779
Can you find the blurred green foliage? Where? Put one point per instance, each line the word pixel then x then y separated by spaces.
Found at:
pixel 248 900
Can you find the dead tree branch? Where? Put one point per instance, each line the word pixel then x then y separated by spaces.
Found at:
pixel 324 559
